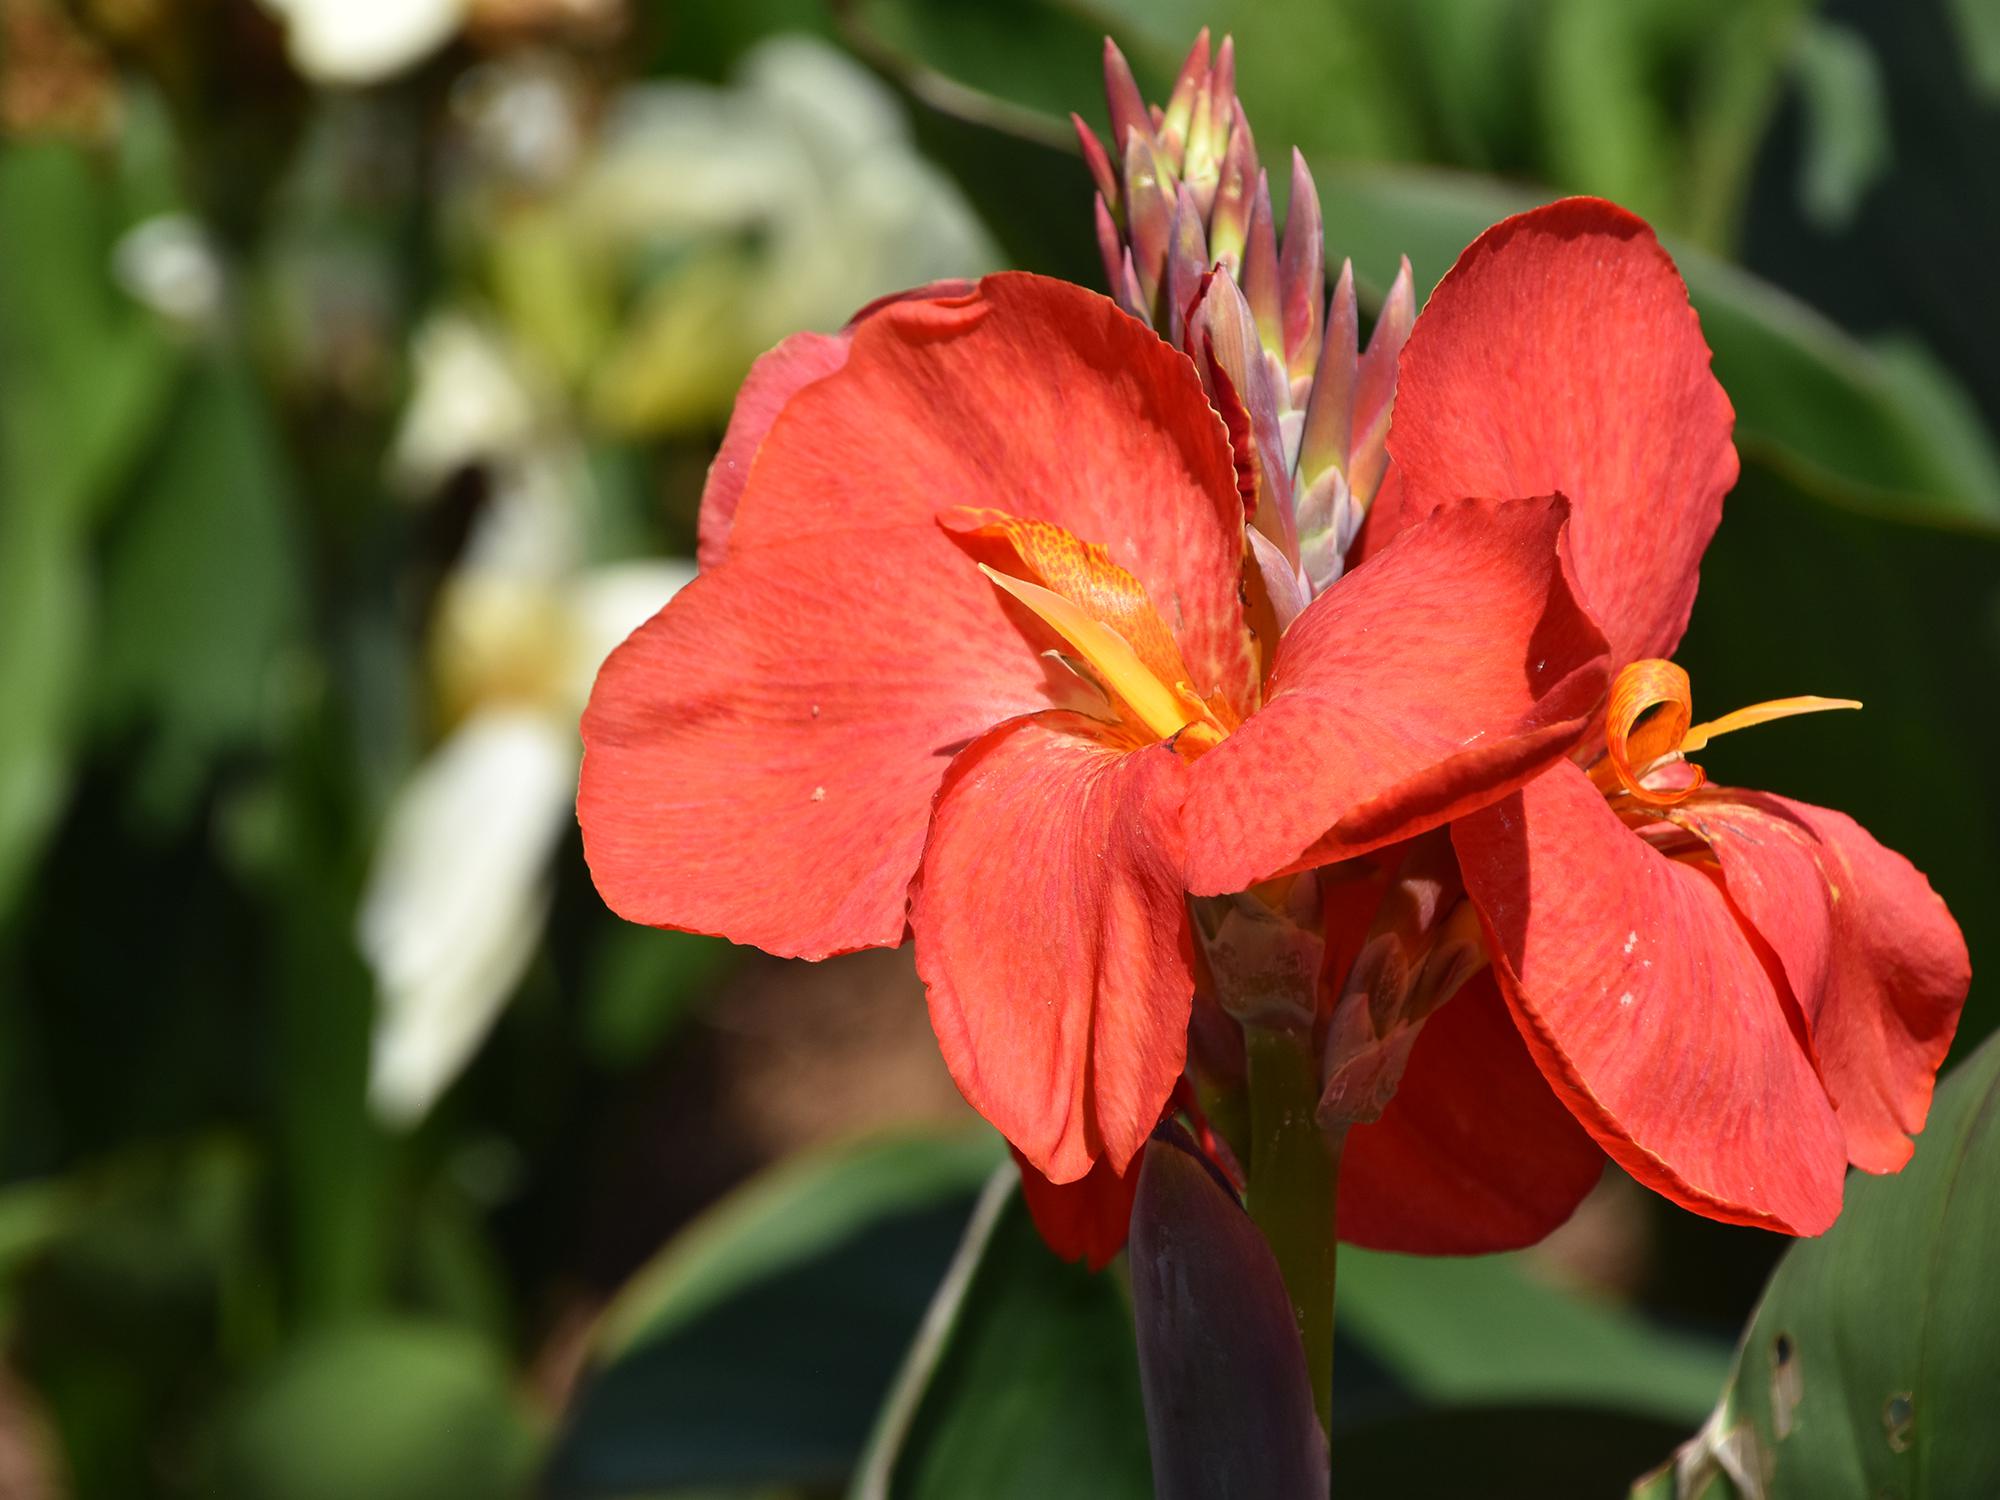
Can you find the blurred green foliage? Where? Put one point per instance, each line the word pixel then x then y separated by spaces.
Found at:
pixel 246 596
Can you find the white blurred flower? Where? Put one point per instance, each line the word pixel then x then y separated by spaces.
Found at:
pixel 784 201
pixel 350 43
pixel 469 403
pixel 459 889
pixel 171 263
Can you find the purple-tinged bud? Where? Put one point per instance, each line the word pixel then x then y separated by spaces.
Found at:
pixel 1126 291
pixel 1187 263
pixel 1149 211
pixel 1375 388
pixel 1201 164
pixel 1179 113
pixel 1261 288
pixel 1109 244
pixel 1101 170
pixel 1121 92
pixel 1229 219
pixel 1328 521
pixel 1222 81
pixel 1222 339
pixel 1302 269
pixel 1329 429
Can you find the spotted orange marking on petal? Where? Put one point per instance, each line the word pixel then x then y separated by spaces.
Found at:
pixel 1648 730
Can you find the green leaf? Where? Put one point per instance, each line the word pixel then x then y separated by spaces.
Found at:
pixel 1847 144
pixel 203 589
pixel 1015 1342
pixel 1460 1331
pixel 82 374
pixel 758 1346
pixel 388 1410
pixel 1868 1368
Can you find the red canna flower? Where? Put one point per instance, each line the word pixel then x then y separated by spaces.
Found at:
pixel 1735 994
pixel 971 658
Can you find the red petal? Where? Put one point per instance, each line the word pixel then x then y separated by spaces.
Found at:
pixel 1427 682
pixel 1052 935
pixel 1041 399
pixel 1560 356
pixel 1878 965
pixel 1649 1009
pixel 777 376
pixel 760 756
pixel 1474 1153
pixel 1084 1220
pixel 774 379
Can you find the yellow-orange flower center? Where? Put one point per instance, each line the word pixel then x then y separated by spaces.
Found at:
pixel 1648 732
pixel 1102 615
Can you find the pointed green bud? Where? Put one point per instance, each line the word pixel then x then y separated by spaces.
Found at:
pixel 1302 270
pixel 1095 157
pixel 1260 269
pixel 1110 244
pixel 1179 112
pixel 1375 388
pixel 1329 429
pixel 1121 93
pixel 1149 211
pixel 1229 219
pixel 1187 263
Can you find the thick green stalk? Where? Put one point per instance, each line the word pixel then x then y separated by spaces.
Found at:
pixel 1294 1174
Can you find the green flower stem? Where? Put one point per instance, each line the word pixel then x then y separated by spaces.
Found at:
pixel 1294 1173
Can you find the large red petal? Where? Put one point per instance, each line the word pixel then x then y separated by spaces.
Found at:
pixel 760 756
pixel 1876 962
pixel 1474 1153
pixel 1037 398
pixel 1084 1220
pixel 1052 936
pixel 1560 355
pixel 1650 1010
pixel 774 379
pixel 1429 681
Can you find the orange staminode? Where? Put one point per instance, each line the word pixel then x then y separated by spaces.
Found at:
pixel 1648 728
pixel 1101 613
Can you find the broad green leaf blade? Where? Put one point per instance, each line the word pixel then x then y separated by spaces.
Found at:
pixel 82 373
pixel 758 1346
pixel 1230 1410
pixel 1459 1331
pixel 1869 1367
pixel 204 588
pixel 1016 1343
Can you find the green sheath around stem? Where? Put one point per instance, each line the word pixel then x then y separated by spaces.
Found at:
pixel 1294 1173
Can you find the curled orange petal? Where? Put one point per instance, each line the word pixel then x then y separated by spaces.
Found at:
pixel 1647 729
pixel 1652 704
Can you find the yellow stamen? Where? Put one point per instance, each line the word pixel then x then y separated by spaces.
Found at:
pixel 1760 713
pixel 1159 707
pixel 1646 730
